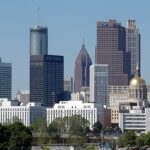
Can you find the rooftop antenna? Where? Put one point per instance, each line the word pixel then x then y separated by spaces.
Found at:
pixel 38 16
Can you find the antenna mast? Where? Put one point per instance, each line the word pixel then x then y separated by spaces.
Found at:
pixel 38 16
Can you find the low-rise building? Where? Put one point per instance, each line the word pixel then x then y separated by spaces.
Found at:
pixel 135 119
pixel 26 114
pixel 70 108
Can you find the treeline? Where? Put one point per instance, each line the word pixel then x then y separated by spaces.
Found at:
pixel 130 139
pixel 68 130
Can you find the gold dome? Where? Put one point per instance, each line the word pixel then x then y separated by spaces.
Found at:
pixel 137 81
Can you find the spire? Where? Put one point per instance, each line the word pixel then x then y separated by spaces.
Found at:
pixel 137 70
pixel 83 44
pixel 38 16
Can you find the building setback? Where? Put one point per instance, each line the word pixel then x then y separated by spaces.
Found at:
pixel 46 71
pixel 111 50
pixel 5 80
pixel 81 71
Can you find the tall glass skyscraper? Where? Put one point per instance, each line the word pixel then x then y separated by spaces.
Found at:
pixel 133 45
pixel 5 80
pixel 111 50
pixel 99 89
pixel 46 71
pixel 82 69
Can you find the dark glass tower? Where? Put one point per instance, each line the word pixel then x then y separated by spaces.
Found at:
pixel 111 50
pixel 46 71
pixel 81 71
pixel 5 80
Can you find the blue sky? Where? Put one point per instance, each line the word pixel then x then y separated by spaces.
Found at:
pixel 67 21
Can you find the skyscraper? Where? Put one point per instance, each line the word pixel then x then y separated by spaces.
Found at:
pixel 5 80
pixel 133 45
pixel 39 40
pixel 81 71
pixel 111 50
pixel 46 71
pixel 99 89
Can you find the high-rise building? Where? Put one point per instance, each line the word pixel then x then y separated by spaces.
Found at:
pixel 81 71
pixel 39 41
pixel 133 44
pixel 99 90
pixel 111 50
pixel 46 71
pixel 68 84
pixel 5 79
pixel 46 79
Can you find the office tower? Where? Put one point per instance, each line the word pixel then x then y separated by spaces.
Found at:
pixel 133 44
pixel 46 71
pixel 99 90
pixel 5 79
pixel 46 79
pixel 68 84
pixel 81 71
pixel 39 41
pixel 111 50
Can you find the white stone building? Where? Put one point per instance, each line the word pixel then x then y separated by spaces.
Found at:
pixel 70 108
pixel 26 114
pixel 135 119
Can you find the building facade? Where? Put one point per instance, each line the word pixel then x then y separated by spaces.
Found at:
pixel 5 79
pixel 39 41
pixel 23 96
pixel 26 114
pixel 81 70
pixel 111 50
pixel 70 108
pixel 99 89
pixel 46 79
pixel 133 45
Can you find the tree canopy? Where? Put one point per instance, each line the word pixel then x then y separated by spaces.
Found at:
pixel 15 136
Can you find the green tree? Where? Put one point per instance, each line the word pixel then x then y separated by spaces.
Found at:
pixel 4 137
pixel 121 141
pixel 130 138
pixel 97 127
pixel 147 139
pixel 90 148
pixel 39 125
pixel 140 140
pixel 20 136
pixel 77 125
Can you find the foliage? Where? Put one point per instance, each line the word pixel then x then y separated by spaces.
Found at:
pixel 140 140
pixel 90 148
pixel 121 141
pixel 130 138
pixel 15 136
pixel 97 127
pixel 147 139
pixel 39 125
pixel 77 125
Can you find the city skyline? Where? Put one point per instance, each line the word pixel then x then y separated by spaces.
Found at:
pixel 67 23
